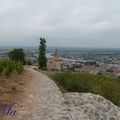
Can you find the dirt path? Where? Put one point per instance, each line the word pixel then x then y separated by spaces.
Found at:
pixel 43 100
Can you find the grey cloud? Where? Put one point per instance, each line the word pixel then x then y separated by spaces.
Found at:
pixel 81 23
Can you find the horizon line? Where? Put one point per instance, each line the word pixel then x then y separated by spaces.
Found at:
pixel 10 46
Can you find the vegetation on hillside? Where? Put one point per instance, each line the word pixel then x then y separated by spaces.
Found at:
pixel 82 82
pixel 17 55
pixel 42 54
pixel 7 67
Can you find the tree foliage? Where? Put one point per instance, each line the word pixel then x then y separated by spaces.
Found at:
pixel 42 54
pixel 17 55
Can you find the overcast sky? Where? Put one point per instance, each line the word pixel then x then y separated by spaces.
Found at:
pixel 76 23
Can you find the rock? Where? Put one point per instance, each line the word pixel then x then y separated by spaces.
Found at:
pixel 93 106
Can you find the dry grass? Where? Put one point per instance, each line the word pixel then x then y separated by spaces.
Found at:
pixel 12 88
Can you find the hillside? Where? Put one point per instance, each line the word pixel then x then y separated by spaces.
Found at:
pixel 43 100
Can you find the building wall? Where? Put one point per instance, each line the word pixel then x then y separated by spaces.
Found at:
pixel 53 64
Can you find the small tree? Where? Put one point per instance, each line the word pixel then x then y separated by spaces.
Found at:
pixel 42 54
pixel 17 55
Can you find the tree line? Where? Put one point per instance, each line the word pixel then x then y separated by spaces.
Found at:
pixel 18 55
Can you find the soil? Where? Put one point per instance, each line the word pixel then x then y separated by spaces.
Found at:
pixel 13 89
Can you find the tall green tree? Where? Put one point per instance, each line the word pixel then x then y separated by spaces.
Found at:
pixel 42 60
pixel 17 55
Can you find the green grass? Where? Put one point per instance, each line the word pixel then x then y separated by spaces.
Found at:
pixel 107 87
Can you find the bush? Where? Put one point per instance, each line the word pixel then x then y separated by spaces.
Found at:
pixel 17 55
pixel 7 72
pixel 8 66
pixel 1 68
pixel 19 68
pixel 83 82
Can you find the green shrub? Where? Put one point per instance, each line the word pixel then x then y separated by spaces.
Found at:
pixel 7 72
pixel 83 82
pixel 1 68
pixel 19 68
pixel 8 66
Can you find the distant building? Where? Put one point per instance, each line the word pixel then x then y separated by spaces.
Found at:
pixel 54 63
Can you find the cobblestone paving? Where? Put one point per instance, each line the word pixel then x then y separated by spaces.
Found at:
pixel 51 104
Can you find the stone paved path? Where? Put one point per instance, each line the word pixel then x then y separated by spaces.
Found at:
pixel 44 101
